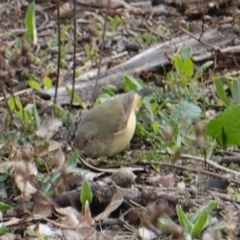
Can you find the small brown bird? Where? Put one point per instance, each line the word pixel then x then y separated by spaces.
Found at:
pixel 108 128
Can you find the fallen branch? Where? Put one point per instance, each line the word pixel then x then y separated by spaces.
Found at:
pixel 158 55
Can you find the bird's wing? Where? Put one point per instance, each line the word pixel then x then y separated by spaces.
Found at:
pixel 126 101
pixel 113 119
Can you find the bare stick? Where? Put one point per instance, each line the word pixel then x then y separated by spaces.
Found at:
pixel 102 48
pixel 74 51
pixel 59 53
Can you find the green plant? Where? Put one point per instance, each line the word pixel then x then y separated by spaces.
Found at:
pixel 114 22
pixel 4 230
pixel 4 206
pixel 234 88
pixel 149 38
pixel 27 114
pixel 91 51
pixel 195 223
pixel 34 84
pixel 30 22
pixel 225 127
pixel 46 180
pixel 182 81
pixel 86 193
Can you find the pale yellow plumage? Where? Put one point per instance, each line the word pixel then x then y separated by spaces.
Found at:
pixel 108 128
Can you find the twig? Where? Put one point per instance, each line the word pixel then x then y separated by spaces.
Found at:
pixel 199 40
pixel 210 162
pixel 27 91
pixel 59 52
pixel 216 175
pixel 200 171
pixel 74 52
pixel 202 159
pixel 5 99
pixel 102 48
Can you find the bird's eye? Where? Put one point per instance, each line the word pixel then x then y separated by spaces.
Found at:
pixel 87 142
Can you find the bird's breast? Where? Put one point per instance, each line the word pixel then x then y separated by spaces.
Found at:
pixel 122 138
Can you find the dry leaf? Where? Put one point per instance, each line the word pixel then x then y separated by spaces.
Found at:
pixel 42 206
pixel 49 127
pixel 26 188
pixel 116 201
pixel 67 210
pixel 146 234
pixel 70 220
pixel 44 147
pixel 12 222
pixel 42 229
pixel 87 213
pixel 71 216
pixel 71 234
pixel 24 173
pixel 58 159
pixel 9 236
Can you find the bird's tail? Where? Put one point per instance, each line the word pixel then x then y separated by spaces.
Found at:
pixel 144 92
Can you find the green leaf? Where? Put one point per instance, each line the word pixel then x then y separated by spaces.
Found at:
pixel 103 98
pixel 235 92
pixel 47 82
pixel 28 113
pixel 155 127
pixel 178 63
pixel 139 130
pixel 131 83
pixel 36 115
pixel 221 225
pixel 199 224
pixel 206 208
pixel 186 53
pixel 164 221
pixel 73 159
pixel 188 67
pixel 3 177
pixel 186 111
pixel 14 103
pixel 221 92
pixel 87 50
pixel 200 70
pixel 34 84
pixel 229 121
pixel 86 192
pixel 76 97
pixel 16 106
pixel 108 89
pixel 114 22
pixel 224 139
pixel 4 230
pixel 30 22
pixel 147 103
pixel 4 207
pixel 183 219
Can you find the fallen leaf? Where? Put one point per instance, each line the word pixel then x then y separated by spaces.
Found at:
pixel 49 127
pixel 87 213
pixel 42 206
pixel 58 159
pixel 44 147
pixel 116 201
pixel 24 173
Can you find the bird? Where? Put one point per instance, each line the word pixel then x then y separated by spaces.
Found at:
pixel 107 128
